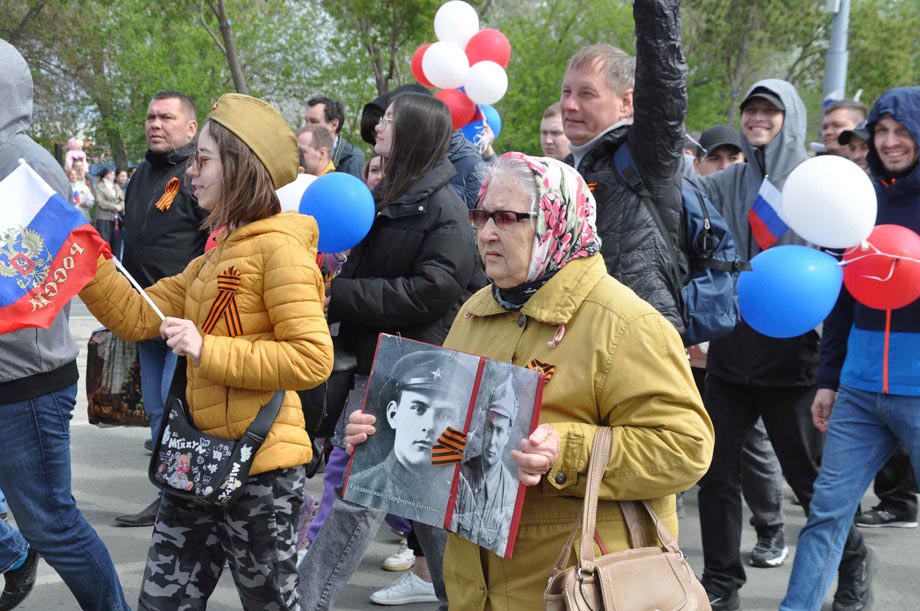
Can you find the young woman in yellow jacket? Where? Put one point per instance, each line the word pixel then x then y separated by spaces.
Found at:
pixel 275 338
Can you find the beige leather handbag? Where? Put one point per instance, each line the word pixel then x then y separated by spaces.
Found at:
pixel 640 578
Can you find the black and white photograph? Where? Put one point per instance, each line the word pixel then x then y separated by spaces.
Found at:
pixel 488 488
pixel 417 393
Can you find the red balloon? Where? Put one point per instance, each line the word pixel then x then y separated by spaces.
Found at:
pixel 417 71
pixel 489 44
pixel 885 275
pixel 462 108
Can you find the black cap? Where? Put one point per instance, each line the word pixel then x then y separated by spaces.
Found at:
pixel 431 370
pixel 720 135
pixel 859 131
pixel 766 94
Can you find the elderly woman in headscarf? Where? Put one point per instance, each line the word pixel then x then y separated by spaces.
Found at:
pixel 610 359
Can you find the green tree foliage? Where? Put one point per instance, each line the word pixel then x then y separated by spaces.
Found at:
pixel 730 44
pixel 96 64
pixel 884 46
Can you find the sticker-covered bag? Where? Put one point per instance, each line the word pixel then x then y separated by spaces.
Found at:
pixel 195 466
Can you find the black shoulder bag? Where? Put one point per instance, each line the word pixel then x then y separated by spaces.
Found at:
pixel 194 466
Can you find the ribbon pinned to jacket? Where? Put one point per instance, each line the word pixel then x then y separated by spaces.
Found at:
pixel 225 305
pixel 172 189
pixel 448 450
pixel 547 369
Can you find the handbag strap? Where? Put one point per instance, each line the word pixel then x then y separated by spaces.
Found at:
pixel 260 425
pixel 600 456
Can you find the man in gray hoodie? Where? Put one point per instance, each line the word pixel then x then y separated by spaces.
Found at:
pixel 751 375
pixel 38 388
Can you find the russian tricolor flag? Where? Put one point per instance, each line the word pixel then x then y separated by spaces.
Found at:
pixel 767 224
pixel 48 251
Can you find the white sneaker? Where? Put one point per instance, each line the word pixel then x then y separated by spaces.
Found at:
pixel 402 559
pixel 410 588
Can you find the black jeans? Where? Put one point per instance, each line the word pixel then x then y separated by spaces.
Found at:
pixel 734 408
pixel 896 485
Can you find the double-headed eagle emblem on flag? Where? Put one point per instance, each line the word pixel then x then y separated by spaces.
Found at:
pixel 23 254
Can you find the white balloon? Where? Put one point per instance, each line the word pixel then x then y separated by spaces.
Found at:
pixel 457 22
pixel 486 82
pixel 830 201
pixel 445 64
pixel 291 193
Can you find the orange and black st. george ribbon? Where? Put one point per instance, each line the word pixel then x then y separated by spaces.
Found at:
pixel 547 369
pixel 225 305
pixel 448 450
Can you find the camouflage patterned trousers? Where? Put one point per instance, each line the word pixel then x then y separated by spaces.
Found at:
pixel 256 536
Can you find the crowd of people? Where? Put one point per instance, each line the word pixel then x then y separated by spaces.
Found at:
pixel 524 259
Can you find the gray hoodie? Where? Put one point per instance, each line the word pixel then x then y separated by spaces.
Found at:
pixel 734 189
pixel 33 362
pixel 746 356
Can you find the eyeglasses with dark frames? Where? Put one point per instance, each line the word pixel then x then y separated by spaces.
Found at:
pixel 503 219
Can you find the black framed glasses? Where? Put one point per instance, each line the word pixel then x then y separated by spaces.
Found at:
pixel 503 219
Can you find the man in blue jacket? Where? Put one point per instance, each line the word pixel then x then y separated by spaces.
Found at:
pixel 869 380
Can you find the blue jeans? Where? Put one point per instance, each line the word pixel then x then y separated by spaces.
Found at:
pixel 157 366
pixel 12 546
pixel 864 430
pixel 35 475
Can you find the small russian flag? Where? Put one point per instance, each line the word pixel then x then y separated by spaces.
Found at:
pixel 767 224
pixel 48 251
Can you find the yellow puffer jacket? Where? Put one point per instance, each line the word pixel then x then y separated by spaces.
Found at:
pixel 284 345
pixel 618 363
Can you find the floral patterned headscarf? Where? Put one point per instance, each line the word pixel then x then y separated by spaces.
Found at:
pixel 565 225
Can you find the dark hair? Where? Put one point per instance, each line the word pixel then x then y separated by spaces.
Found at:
pixel 248 192
pixel 186 102
pixel 367 166
pixel 418 145
pixel 332 109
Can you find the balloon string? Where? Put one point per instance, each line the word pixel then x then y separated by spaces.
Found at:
pixel 876 253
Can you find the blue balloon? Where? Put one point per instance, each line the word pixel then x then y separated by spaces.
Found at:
pixel 789 291
pixel 343 208
pixel 472 130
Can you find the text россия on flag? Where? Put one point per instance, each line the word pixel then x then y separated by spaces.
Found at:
pixel 48 251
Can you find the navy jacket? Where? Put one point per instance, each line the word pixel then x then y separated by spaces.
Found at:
pixel 853 349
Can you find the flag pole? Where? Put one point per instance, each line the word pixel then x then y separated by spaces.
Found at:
pixel 138 287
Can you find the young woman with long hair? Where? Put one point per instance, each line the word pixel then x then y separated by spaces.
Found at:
pixel 408 276
pixel 273 338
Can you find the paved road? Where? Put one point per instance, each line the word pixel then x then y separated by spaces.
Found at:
pixel 109 478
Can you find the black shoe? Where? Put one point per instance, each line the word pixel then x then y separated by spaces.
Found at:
pixel 770 550
pixel 854 584
pixel 145 517
pixel 148 445
pixel 724 602
pixel 878 518
pixel 19 582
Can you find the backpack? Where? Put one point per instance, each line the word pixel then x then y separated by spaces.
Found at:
pixel 704 262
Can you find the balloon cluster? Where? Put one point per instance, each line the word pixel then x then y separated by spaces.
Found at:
pixel 468 66
pixel 830 202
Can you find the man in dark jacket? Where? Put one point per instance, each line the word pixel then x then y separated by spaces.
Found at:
pixel 330 114
pixel 598 100
pixel 869 397
pixel 162 234
pixel 751 375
